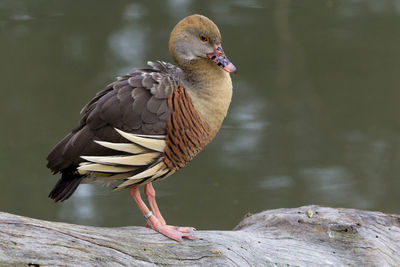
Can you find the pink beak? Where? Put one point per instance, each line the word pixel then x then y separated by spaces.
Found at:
pixel 219 58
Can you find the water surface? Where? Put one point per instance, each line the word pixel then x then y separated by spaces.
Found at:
pixel 314 117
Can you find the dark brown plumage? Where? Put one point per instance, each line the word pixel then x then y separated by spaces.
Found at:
pixel 136 103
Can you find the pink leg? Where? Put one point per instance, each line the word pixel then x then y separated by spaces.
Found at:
pixel 169 231
pixel 151 198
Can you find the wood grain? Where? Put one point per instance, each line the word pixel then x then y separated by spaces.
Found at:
pixel 305 236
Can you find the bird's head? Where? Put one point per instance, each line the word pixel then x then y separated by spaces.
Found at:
pixel 197 37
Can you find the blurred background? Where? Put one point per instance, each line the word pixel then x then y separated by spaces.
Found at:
pixel 314 117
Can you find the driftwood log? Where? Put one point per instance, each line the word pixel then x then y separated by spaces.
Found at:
pixel 305 236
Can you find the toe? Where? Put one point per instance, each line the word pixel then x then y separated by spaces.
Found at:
pixel 185 229
pixel 181 229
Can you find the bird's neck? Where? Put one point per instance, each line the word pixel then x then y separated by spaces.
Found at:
pixel 210 89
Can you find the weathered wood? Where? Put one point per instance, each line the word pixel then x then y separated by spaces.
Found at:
pixel 305 236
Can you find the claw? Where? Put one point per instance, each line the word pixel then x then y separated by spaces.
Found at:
pixel 174 232
pixel 185 229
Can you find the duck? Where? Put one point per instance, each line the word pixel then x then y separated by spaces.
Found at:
pixel 151 122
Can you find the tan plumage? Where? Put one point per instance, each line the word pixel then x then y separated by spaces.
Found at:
pixel 156 171
pixel 209 86
pixel 124 147
pixel 150 123
pixel 149 141
pixel 86 167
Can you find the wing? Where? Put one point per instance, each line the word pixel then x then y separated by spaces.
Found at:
pixel 140 128
pixel 136 104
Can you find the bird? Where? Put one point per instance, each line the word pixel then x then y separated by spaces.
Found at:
pixel 151 122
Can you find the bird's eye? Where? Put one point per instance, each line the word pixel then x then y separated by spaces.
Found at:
pixel 203 38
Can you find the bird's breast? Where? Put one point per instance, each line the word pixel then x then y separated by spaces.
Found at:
pixel 187 132
pixel 211 97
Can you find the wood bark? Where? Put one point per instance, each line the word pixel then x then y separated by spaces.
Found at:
pixel 305 236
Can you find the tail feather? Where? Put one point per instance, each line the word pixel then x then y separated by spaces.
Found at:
pixel 65 187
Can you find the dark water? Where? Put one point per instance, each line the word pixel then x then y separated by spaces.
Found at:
pixel 314 118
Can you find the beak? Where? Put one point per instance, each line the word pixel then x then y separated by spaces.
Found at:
pixel 219 58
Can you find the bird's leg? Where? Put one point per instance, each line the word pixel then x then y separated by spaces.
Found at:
pixel 153 221
pixel 151 198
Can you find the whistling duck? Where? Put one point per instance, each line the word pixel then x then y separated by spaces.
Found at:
pixel 150 123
